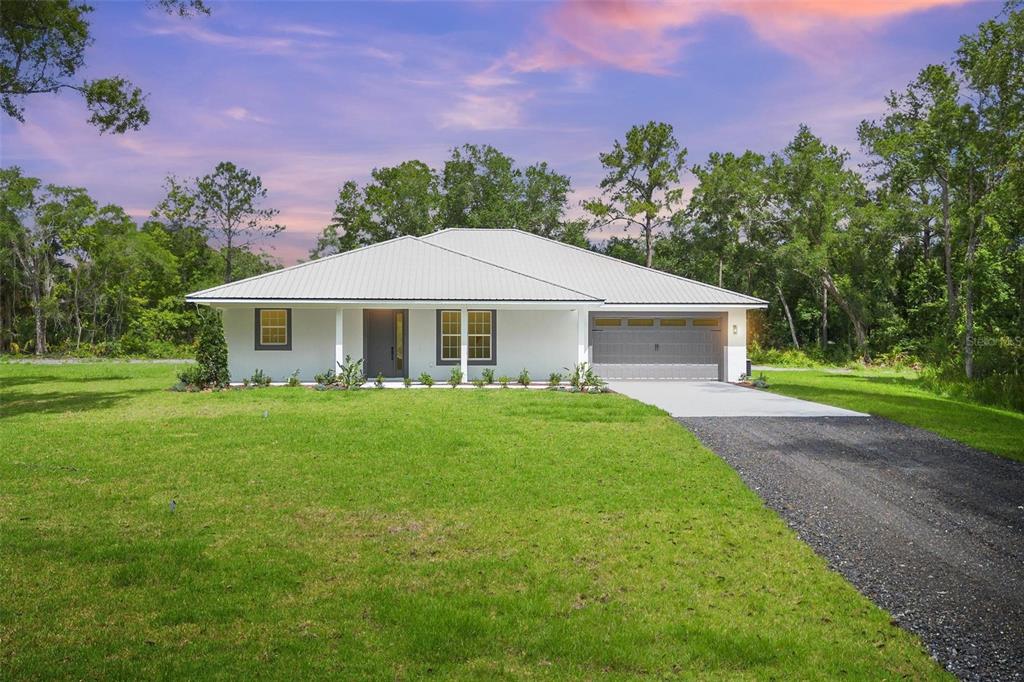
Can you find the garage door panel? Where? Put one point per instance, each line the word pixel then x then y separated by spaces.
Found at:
pixel 696 372
pixel 680 351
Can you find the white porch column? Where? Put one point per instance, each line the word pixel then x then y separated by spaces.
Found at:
pixel 736 346
pixel 582 335
pixel 339 336
pixel 464 343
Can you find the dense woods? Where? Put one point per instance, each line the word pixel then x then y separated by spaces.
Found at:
pixel 914 253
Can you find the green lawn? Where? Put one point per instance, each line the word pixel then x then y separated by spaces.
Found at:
pixel 898 396
pixel 396 534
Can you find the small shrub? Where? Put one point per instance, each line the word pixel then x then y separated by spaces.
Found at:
pixel 523 378
pixel 192 376
pixel 326 378
pixel 582 378
pixel 761 381
pixel 379 381
pixel 455 377
pixel 479 383
pixel 407 382
pixel 350 374
pixel 293 379
pixel 488 375
pixel 504 381
pixel 426 380
pixel 554 379
pixel 260 379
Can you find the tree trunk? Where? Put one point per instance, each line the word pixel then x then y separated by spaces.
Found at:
pixel 823 336
pixel 972 247
pixel 40 317
pixel 227 261
pixel 947 245
pixel 719 271
pixel 858 327
pixel 647 238
pixel 789 316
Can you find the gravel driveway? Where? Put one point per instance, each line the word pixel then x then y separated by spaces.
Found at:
pixel 930 530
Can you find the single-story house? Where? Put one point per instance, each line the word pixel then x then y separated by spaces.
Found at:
pixel 478 298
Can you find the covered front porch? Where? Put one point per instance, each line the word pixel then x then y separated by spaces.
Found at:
pixel 405 340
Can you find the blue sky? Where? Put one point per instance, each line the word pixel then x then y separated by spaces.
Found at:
pixel 309 95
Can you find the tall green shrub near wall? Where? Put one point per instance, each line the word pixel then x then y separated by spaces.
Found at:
pixel 212 353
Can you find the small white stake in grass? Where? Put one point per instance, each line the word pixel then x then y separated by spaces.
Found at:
pixel 266 413
pixel 173 505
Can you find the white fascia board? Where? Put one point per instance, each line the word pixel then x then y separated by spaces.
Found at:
pixel 305 303
pixel 680 307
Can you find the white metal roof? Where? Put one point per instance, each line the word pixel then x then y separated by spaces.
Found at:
pixel 474 265
pixel 402 269
pixel 609 279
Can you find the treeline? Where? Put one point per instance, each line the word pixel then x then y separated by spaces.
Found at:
pixel 80 278
pixel 916 253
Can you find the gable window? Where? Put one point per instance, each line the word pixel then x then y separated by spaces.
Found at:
pixel 481 337
pixel 273 329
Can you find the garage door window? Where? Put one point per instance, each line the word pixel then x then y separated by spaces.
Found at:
pixel 705 322
pixel 672 322
pixel 607 321
pixel 640 322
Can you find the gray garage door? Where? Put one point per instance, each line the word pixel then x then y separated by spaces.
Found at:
pixel 656 346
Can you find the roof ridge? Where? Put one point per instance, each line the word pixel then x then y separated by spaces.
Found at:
pixel 302 264
pixel 626 262
pixel 501 267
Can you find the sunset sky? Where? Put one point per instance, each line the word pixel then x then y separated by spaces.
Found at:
pixel 308 95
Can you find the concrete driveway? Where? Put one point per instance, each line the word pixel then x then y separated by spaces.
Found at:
pixel 719 399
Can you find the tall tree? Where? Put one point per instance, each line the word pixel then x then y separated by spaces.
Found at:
pixel 403 200
pixel 42 48
pixel 227 205
pixel 732 197
pixel 350 223
pixel 641 188
pixel 918 148
pixel 480 188
pixel 992 63
pixel 818 197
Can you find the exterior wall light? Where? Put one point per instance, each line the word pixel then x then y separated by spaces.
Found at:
pixel 735 329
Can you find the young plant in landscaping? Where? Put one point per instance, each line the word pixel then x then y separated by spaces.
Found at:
pixel 582 378
pixel 455 378
pixel 488 375
pixel 326 378
pixel 407 382
pixel 426 380
pixel 761 381
pixel 524 378
pixel 350 374
pixel 554 379
pixel 379 381
pixel 293 379
pixel 259 379
pixel 504 381
pixel 479 383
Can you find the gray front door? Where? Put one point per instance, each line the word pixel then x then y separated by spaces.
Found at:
pixel 385 334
